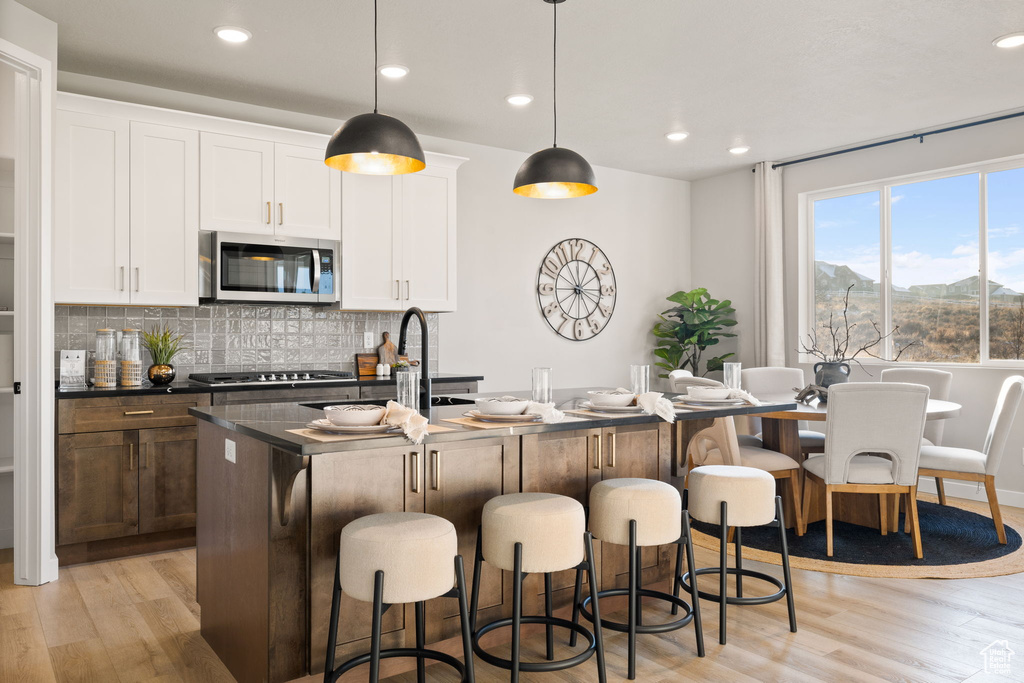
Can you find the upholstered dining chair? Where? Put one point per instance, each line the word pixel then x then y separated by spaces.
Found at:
pixel 681 380
pixel 718 445
pixel 781 383
pixel 965 464
pixel 938 383
pixel 885 419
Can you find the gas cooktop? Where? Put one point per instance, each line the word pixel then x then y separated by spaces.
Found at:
pixel 274 377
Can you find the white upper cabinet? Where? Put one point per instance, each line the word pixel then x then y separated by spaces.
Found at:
pixel 237 184
pixel 164 215
pixel 91 223
pixel 398 245
pixel 307 193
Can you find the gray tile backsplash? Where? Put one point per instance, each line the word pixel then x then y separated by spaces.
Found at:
pixel 246 338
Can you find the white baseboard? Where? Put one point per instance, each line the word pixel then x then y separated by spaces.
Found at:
pixel 972 491
pixel 6 538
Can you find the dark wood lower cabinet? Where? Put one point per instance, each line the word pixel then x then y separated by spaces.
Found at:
pixel 167 479
pixel 97 486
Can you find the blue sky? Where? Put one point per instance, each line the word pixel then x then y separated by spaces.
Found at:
pixel 934 230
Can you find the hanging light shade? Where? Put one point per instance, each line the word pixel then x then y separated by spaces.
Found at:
pixel 555 172
pixel 375 144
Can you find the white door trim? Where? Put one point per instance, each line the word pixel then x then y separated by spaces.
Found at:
pixel 35 559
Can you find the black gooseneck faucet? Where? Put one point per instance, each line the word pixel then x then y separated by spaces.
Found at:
pixel 425 355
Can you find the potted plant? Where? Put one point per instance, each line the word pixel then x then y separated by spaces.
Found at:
pixel 685 331
pixel 163 346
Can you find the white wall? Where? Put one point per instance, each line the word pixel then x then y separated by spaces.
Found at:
pixel 6 112
pixel 641 222
pixel 714 202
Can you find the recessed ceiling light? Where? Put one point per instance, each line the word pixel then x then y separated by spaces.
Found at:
pixel 519 100
pixel 232 34
pixel 1010 40
pixel 393 71
pixel 677 135
pixel 739 149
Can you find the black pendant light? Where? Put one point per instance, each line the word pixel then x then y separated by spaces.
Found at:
pixel 556 172
pixel 375 144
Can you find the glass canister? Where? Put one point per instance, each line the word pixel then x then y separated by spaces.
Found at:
pixel 131 358
pixel 106 358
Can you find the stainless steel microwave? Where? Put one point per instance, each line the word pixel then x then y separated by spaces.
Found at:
pixel 266 269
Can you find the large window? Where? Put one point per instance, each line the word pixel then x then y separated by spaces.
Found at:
pixel 906 259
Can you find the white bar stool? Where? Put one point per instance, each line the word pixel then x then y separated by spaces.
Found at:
pixel 394 558
pixel 535 533
pixel 638 513
pixel 739 497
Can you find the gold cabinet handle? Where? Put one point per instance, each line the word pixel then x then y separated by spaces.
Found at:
pixel 611 455
pixel 435 466
pixel 398 290
pixel 415 471
pixel 138 412
pixel 268 213
pixel 597 451
pixel 131 457
pixel 280 213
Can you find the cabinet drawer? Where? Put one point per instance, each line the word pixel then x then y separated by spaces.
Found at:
pixel 304 394
pixel 127 412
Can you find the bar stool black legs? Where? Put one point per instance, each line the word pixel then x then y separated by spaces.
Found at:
pixel 420 652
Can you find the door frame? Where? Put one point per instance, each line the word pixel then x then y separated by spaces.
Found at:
pixel 35 559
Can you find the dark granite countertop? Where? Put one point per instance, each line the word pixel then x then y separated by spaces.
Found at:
pixel 270 422
pixel 186 387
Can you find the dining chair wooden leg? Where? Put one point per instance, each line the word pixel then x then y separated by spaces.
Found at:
pixel 793 484
pixel 806 512
pixel 906 511
pixel 993 504
pixel 828 519
pixel 915 524
pixel 894 512
pixel 941 489
pixel 883 513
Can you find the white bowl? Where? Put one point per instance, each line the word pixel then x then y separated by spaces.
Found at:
pixel 610 397
pixel 504 405
pixel 354 415
pixel 708 393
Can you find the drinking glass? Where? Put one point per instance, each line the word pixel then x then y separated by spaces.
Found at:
pixel 732 375
pixel 542 385
pixel 640 378
pixel 408 382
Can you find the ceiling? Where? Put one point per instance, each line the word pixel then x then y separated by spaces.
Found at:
pixel 785 77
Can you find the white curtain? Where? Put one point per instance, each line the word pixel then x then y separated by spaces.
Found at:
pixel 769 304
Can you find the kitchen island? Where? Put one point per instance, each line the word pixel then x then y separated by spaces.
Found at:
pixel 272 503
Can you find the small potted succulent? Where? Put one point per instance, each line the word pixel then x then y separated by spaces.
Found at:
pixel 163 346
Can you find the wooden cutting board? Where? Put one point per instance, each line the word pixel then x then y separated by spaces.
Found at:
pixel 366 364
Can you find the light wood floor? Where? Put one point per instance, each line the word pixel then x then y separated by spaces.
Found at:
pixel 136 620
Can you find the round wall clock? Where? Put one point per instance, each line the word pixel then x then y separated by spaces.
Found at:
pixel 576 289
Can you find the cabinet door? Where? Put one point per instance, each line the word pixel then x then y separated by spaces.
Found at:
pixel 459 479
pixel 97 486
pixel 236 184
pixel 307 193
pixel 644 452
pixel 371 262
pixel 428 239
pixel 91 228
pixel 164 215
pixel 167 479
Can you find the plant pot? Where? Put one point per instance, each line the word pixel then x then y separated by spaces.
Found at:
pixel 161 374
pixel 827 374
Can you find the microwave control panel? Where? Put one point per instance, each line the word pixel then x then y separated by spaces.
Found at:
pixel 326 273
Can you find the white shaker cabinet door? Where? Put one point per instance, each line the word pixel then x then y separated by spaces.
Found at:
pixel 91 228
pixel 236 176
pixel 370 248
pixel 428 239
pixel 307 194
pixel 164 215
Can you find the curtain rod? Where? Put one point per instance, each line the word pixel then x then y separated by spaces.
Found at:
pixel 916 136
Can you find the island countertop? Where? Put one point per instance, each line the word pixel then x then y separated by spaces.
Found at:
pixel 271 423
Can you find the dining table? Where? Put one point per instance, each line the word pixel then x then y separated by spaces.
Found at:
pixel 780 431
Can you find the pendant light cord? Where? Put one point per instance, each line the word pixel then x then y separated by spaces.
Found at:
pixel 554 74
pixel 375 75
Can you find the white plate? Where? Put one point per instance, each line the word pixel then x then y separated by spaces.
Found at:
pixel 326 426
pixel 477 415
pixel 710 401
pixel 587 405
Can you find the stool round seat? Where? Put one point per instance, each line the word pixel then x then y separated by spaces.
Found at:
pixel 748 492
pixel 655 505
pixel 415 551
pixel 550 528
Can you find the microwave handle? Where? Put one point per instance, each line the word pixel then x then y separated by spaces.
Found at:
pixel 316 271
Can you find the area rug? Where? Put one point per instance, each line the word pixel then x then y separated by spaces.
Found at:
pixel 959 542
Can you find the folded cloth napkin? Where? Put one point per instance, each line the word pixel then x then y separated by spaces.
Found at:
pixel 745 396
pixel 653 402
pixel 413 425
pixel 547 411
